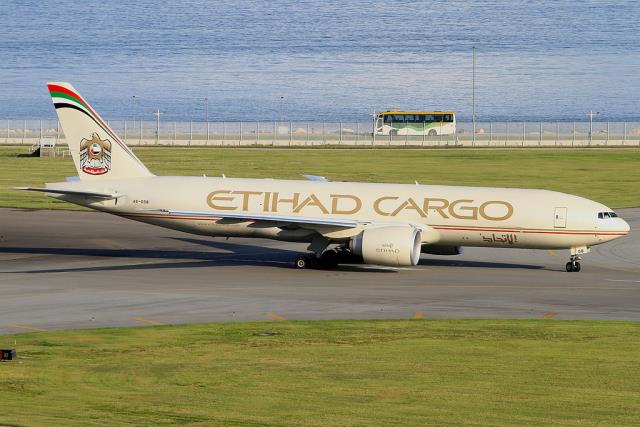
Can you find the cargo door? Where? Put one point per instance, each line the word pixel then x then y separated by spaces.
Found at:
pixel 560 218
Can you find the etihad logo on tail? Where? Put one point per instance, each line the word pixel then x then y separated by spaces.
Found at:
pixel 95 155
pixel 351 204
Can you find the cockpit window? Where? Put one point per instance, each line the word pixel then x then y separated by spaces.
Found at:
pixel 607 215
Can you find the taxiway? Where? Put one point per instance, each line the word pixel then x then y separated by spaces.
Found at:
pixel 62 269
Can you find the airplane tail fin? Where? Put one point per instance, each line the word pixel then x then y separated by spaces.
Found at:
pixel 97 151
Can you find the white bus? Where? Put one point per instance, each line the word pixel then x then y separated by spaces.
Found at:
pixel 430 123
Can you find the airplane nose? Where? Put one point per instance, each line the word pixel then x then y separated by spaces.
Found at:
pixel 625 226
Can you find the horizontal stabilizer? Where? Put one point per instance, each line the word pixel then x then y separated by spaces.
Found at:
pixel 95 194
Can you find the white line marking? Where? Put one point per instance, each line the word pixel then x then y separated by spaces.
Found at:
pixel 622 280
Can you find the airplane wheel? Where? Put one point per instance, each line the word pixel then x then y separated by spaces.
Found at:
pixel 302 262
pixel 569 267
pixel 576 266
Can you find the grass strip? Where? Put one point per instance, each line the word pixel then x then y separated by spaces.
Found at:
pixel 321 373
pixel 610 176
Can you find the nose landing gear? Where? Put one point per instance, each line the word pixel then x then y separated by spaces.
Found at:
pixel 574 260
pixel 574 264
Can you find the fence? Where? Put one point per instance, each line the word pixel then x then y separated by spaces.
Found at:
pixel 296 133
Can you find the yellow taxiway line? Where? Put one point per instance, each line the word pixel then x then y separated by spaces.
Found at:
pixel 23 327
pixel 553 253
pixel 110 244
pixel 276 316
pixel 147 321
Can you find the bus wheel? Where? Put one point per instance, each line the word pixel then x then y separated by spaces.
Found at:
pixel 393 132
pixel 432 132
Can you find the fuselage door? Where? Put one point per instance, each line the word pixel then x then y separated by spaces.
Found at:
pixel 560 218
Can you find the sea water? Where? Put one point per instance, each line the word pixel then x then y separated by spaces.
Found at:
pixel 323 60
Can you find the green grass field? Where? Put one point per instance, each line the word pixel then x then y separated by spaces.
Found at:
pixel 344 373
pixel 610 176
pixel 322 373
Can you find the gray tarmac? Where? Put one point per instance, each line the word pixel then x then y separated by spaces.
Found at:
pixel 61 270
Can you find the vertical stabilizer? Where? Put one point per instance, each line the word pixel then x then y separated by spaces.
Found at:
pixel 97 151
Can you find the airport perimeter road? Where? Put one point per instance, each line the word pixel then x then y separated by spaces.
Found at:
pixel 85 269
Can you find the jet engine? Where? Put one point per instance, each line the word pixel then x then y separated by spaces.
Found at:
pixel 390 245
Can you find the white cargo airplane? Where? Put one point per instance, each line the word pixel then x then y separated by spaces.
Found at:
pixel 383 224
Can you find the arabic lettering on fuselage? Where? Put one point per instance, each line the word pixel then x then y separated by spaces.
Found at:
pixel 500 238
pixel 351 204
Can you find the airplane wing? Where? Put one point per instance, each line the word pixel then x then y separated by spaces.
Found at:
pixel 280 219
pixel 94 194
pixel 319 224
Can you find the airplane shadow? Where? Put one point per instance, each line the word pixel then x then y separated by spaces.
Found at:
pixel 235 254
pixel 237 248
pixel 290 255
pixel 476 264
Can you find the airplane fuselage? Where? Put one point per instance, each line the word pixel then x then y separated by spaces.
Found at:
pixel 455 215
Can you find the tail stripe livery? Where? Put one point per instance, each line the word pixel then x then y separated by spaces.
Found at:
pixel 64 94
pixel 59 93
pixel 98 153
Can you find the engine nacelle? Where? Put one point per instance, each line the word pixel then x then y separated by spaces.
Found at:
pixel 441 250
pixel 390 245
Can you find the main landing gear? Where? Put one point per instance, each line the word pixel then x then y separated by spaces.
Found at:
pixel 320 256
pixel 327 261
pixel 574 264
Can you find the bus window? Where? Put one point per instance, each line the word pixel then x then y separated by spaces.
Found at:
pixel 408 118
pixel 437 117
pixel 448 118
